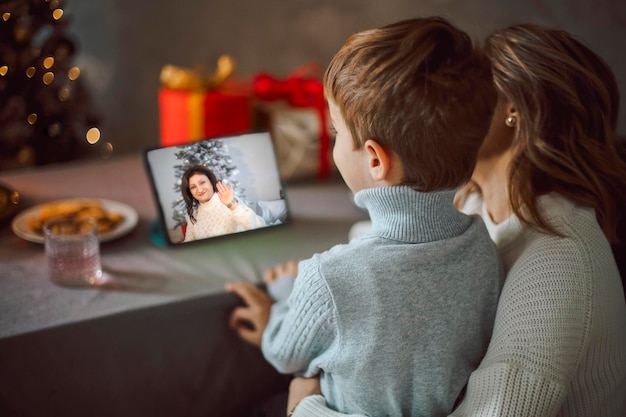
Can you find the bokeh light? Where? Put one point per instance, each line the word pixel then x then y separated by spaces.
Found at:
pixel 32 118
pixel 107 150
pixel 48 77
pixel 64 93
pixel 26 155
pixel 54 129
pixel 57 13
pixel 73 73
pixel 93 135
pixel 48 62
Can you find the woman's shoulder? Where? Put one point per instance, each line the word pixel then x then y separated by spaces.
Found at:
pixel 577 224
pixel 578 243
pixel 577 258
pixel 553 204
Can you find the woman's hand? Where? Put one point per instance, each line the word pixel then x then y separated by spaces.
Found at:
pixel 299 388
pixel 250 320
pixel 226 194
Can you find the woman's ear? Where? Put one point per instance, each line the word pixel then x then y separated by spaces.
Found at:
pixel 381 162
pixel 512 117
pixel 510 108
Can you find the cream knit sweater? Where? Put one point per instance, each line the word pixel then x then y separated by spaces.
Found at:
pixel 213 218
pixel 559 342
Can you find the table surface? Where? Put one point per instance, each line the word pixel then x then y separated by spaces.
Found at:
pixel 154 340
pixel 139 272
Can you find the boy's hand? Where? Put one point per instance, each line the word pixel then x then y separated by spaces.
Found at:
pixel 279 280
pixel 250 320
pixel 299 388
pixel 287 269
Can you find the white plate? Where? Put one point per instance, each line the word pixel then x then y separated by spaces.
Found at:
pixel 20 228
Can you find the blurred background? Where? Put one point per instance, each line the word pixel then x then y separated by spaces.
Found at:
pixel 121 46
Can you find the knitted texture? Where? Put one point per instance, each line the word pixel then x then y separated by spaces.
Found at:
pixel 213 219
pixel 559 341
pixel 396 320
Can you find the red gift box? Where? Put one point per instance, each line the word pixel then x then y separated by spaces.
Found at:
pixel 296 133
pixel 194 105
pixel 187 116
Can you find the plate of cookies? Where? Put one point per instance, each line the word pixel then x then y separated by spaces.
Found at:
pixel 114 219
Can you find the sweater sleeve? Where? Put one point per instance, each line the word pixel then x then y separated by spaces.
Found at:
pixel 302 330
pixel 246 218
pixel 315 406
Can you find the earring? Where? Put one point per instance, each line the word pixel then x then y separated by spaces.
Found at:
pixel 510 121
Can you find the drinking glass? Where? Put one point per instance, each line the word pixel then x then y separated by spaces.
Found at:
pixel 73 251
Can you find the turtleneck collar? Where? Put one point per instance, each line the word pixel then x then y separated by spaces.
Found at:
pixel 403 214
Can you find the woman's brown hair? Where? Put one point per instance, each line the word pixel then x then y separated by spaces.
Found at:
pixel 190 201
pixel 567 101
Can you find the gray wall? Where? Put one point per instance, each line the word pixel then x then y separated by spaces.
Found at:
pixel 122 45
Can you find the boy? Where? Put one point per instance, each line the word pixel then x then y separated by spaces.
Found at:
pixel 395 320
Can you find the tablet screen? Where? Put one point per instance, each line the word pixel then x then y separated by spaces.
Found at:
pixel 217 187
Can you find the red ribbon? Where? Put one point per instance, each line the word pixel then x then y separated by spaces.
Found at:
pixel 300 90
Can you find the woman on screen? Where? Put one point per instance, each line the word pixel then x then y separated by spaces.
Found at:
pixel 212 208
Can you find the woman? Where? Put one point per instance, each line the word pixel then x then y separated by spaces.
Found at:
pixel 212 208
pixel 550 187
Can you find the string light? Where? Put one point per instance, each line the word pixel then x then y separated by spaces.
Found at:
pixel 48 62
pixel 14 197
pixel 93 135
pixel 56 96
pixel 64 93
pixel 48 77
pixel 107 150
pixel 26 155
pixel 54 129
pixel 73 73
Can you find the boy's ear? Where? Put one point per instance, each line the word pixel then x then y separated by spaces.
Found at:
pixel 380 160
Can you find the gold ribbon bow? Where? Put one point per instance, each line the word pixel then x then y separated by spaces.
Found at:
pixel 178 78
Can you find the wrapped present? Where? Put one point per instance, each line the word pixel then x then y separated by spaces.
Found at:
pixel 193 106
pixel 297 116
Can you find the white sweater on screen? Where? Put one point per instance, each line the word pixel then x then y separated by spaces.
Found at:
pixel 213 218
pixel 559 341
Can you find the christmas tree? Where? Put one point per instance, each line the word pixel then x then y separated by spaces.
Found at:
pixel 212 154
pixel 45 116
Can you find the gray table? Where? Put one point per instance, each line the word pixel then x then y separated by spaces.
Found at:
pixel 153 341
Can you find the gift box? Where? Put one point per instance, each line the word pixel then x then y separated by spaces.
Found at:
pixel 189 116
pixel 193 106
pixel 296 136
pixel 296 113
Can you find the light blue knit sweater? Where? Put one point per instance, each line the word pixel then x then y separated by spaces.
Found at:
pixel 397 319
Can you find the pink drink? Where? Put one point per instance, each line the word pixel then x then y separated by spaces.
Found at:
pixel 73 252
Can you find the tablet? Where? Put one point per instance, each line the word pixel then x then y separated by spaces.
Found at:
pixel 217 187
